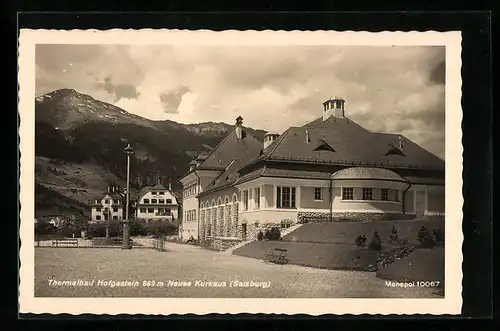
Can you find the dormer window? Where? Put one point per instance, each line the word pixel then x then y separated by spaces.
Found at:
pixel 393 150
pixel 323 146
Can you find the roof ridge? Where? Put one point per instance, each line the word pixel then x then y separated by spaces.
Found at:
pixel 278 142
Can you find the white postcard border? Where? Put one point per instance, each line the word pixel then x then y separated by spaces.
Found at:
pixel 452 302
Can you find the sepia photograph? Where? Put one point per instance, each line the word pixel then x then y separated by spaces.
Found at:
pixel 219 165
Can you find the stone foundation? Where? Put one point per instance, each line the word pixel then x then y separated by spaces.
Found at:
pixel 306 217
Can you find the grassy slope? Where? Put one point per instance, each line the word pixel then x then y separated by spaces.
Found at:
pixel 49 202
pixel 347 232
pixel 331 246
pixel 325 256
pixel 421 265
pixel 80 182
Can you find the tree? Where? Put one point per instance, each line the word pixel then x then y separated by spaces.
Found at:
pixel 394 236
pixel 273 234
pixel 425 238
pixel 376 243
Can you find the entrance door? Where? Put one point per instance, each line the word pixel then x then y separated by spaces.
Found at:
pixel 244 231
pixel 420 203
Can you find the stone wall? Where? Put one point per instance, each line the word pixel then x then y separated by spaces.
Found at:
pixel 305 217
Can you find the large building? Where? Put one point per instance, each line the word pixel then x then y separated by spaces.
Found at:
pixel 327 170
pixel 157 203
pixel 109 206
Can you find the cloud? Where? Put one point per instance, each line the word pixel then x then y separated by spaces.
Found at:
pixel 387 89
pixel 119 90
pixel 172 99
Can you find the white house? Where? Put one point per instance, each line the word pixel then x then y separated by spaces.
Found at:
pixel 157 203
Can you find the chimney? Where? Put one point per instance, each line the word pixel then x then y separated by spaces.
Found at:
pixel 109 189
pixel 333 107
pixel 400 140
pixel 308 139
pixel 269 138
pixel 239 128
pixel 169 186
pixel 193 165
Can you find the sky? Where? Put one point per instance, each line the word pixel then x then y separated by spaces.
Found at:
pixel 387 89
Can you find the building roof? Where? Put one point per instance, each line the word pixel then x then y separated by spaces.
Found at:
pixel 234 154
pixel 158 187
pixel 113 195
pixel 346 143
pixel 367 173
pixel 224 153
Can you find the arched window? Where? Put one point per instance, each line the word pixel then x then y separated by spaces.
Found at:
pixel 226 200
pixel 219 201
pixel 235 198
pixel 201 205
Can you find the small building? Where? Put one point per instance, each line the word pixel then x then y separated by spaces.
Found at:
pixel 157 203
pixel 109 206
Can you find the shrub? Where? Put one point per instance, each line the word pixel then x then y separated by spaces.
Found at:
pixel 425 238
pixel 260 236
pixel 273 234
pixel 394 236
pixel 360 241
pixel 438 237
pixel 376 243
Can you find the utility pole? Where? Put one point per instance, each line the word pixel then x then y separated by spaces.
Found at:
pixel 126 237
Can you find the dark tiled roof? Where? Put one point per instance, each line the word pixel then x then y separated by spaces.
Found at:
pixel 426 181
pixel 352 145
pixel 113 195
pixel 146 189
pixel 224 153
pixel 233 153
pixel 367 173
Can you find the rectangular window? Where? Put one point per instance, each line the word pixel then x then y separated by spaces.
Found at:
pixel 146 201
pixel 347 193
pixel 117 201
pixel 245 200
pixel 142 210
pixel 97 201
pixel 106 201
pixel 384 194
pixel 115 209
pixel 167 211
pixel 151 210
pixel 154 201
pixel 161 201
pixel 98 217
pixel 169 200
pixel 367 193
pixel 105 217
pixel 161 193
pixel 98 210
pixel 285 197
pixel 257 197
pixel 318 193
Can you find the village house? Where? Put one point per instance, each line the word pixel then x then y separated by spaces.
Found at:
pixel 109 207
pixel 330 169
pixel 157 203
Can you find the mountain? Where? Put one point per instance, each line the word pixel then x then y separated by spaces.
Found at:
pixel 79 144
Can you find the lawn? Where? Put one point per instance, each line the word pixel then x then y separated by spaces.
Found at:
pixel 316 255
pixel 184 263
pixel 346 232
